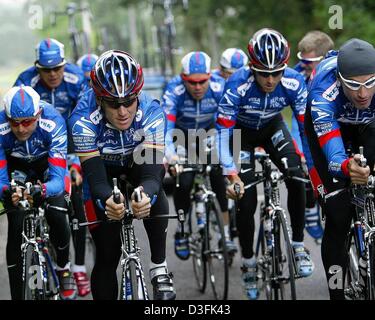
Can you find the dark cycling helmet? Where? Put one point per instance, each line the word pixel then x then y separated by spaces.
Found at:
pixel 117 74
pixel 268 50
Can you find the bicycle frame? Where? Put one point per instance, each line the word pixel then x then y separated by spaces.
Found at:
pixel 273 212
pixel 35 234
pixel 130 251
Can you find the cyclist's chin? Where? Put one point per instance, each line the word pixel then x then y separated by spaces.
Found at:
pixel 362 104
pixel 22 137
pixel 122 124
pixel 53 84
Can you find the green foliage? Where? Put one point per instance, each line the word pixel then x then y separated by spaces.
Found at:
pixel 213 25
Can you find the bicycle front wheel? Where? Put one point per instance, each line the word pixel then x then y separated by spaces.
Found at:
pixel 33 275
pixel 283 283
pixel 351 284
pixel 216 251
pixel 132 284
pixel 196 247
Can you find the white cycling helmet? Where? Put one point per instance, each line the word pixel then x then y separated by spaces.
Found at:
pixel 232 59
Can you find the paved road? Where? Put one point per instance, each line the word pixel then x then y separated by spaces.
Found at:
pixel 313 287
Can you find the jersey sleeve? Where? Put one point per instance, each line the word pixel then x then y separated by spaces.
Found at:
pixel 225 122
pixel 57 155
pixel 83 127
pixel 299 108
pixel 170 104
pixel 4 178
pixel 328 132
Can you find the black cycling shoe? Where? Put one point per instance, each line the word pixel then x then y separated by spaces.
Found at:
pixel 162 283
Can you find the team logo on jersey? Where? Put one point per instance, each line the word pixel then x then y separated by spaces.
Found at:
pixel 216 86
pixel 47 124
pixel 332 92
pixel 290 83
pixel 96 116
pixel 82 129
pixel 139 115
pixel 71 78
pixel 4 128
pixel 179 90
pixel 242 89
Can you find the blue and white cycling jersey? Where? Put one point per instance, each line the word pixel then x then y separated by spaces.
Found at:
pixel 65 97
pixel 329 108
pixel 184 112
pixel 93 135
pixel 244 104
pixel 294 125
pixel 48 140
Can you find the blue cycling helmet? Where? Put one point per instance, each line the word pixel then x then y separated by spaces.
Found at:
pixel 87 62
pixel 50 54
pixel 233 59
pixel 196 62
pixel 21 102
pixel 269 51
pixel 117 74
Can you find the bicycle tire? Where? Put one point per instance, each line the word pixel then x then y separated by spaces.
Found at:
pixel 33 284
pixel 371 261
pixel 196 247
pixel 131 282
pixel 280 253
pixel 263 260
pixel 216 251
pixel 351 277
pixel 53 284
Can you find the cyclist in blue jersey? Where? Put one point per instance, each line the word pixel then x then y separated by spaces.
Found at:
pixel 33 141
pixel 86 63
pixel 57 82
pixel 340 114
pixel 112 126
pixel 253 98
pixel 230 61
pixel 61 84
pixel 190 102
pixel 312 48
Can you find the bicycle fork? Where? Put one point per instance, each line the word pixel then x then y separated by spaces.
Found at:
pixel 130 253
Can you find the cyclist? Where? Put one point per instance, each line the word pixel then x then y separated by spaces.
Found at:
pixel 253 99
pixel 86 63
pixel 190 102
pixel 33 140
pixel 312 48
pixel 113 123
pixel 61 84
pixel 340 113
pixel 56 81
pixel 230 61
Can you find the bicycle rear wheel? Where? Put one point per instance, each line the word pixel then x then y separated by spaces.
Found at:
pixel 216 251
pixel 33 274
pixel 197 247
pixel 283 285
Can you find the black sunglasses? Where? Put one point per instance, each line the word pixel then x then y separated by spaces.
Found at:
pixel 48 70
pixel 270 74
pixel 117 103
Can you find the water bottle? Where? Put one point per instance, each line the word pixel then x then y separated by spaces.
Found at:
pixel 200 212
pixel 267 225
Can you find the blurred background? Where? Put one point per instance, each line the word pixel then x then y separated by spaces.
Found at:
pixel 159 32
